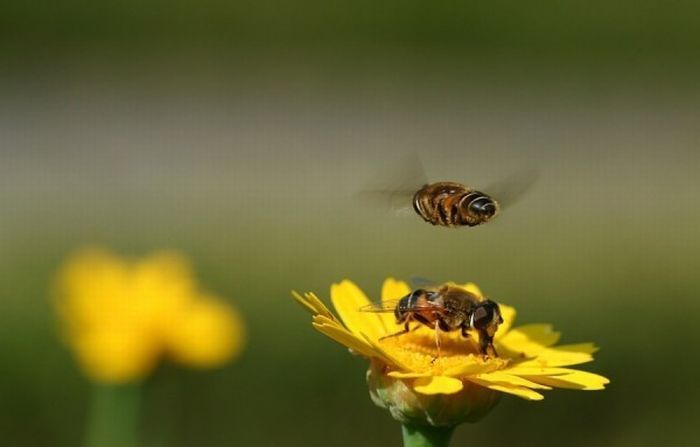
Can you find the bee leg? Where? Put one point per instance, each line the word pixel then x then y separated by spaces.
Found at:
pixel 486 345
pixel 405 330
pixel 437 342
pixel 435 215
pixel 465 334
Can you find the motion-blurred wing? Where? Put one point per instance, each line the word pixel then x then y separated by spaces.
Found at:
pixel 511 189
pixel 396 201
pixel 394 187
pixel 419 282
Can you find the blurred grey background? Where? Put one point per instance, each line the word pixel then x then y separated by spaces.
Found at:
pixel 240 134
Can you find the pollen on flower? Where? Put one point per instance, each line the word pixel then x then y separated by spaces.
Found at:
pixel 418 350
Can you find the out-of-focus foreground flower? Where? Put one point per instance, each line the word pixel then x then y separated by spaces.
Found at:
pixel 120 317
pixel 418 387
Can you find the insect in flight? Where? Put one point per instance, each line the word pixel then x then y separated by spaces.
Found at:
pixel 448 204
pixel 449 308
pixel 452 204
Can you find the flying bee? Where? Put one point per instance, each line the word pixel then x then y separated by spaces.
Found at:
pixel 446 204
pixel 449 308
pixel 452 204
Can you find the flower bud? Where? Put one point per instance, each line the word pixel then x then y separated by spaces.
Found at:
pixel 408 406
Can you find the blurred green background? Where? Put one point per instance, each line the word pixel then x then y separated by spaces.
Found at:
pixel 239 133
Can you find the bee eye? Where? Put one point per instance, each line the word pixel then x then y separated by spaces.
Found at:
pixel 483 206
pixel 483 316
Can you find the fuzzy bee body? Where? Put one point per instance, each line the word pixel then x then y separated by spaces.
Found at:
pixel 452 204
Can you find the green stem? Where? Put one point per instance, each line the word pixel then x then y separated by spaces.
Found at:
pixel 114 416
pixel 426 436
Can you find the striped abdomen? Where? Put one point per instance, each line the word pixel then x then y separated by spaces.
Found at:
pixel 420 306
pixel 453 204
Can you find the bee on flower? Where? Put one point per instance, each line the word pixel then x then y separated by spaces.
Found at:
pixel 121 317
pixel 441 384
pixel 448 308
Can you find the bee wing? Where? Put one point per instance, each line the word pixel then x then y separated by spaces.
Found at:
pixel 381 306
pixel 390 306
pixel 419 282
pixel 394 188
pixel 397 201
pixel 511 189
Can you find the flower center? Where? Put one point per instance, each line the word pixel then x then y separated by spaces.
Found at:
pixel 419 351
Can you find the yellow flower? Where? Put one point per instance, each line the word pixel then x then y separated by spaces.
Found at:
pixel 120 317
pixel 407 376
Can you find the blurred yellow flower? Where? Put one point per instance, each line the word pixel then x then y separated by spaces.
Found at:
pixel 407 376
pixel 121 316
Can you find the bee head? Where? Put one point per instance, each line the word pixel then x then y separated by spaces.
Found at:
pixel 483 207
pixel 400 314
pixel 486 316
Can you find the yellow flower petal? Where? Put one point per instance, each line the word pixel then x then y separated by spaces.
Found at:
pixel 392 289
pixel 529 339
pixel 553 357
pixel 311 303
pixel 304 302
pixel 116 354
pixel 437 385
pixel 534 370
pixel 208 334
pixel 341 335
pixel 347 299
pixel 473 367
pixel 161 287
pixel 580 380
pixel 501 378
pixel 525 393
pixel 408 375
pixel 121 316
pixel 388 357
pixel 91 281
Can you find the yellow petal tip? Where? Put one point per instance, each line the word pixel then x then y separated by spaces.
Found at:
pixel 438 385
